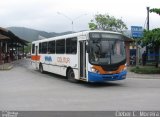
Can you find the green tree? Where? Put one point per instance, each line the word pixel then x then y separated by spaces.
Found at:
pixel 155 10
pixel 154 35
pixel 151 38
pixel 27 49
pixel 107 22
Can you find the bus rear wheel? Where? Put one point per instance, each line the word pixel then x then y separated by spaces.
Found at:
pixel 71 76
pixel 41 68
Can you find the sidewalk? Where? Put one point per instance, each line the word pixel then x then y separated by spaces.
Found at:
pixel 6 66
pixel 146 76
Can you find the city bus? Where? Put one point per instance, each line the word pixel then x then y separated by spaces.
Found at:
pixel 90 56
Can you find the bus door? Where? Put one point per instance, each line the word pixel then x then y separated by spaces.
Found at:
pixel 82 59
pixel 36 63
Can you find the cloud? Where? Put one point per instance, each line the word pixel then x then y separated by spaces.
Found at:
pixel 42 14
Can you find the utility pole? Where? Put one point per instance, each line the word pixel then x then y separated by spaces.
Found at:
pixel 72 20
pixel 147 26
pixel 148 18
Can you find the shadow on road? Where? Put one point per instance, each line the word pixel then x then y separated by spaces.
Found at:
pixel 86 84
pixel 99 85
pixel 55 76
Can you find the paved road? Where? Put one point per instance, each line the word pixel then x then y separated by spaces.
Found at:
pixel 23 88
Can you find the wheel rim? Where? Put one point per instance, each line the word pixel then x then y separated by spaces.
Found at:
pixel 71 74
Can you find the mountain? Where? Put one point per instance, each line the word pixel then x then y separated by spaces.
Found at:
pixel 32 34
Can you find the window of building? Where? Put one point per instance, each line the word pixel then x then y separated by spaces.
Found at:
pixel 51 47
pixel 71 45
pixel 60 46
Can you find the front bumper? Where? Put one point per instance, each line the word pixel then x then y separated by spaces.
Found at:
pixel 95 77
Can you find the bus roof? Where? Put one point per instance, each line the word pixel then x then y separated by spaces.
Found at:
pixel 74 34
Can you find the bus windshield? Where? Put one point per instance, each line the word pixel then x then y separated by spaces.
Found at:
pixel 106 50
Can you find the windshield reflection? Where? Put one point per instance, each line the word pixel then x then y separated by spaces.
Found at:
pixel 106 51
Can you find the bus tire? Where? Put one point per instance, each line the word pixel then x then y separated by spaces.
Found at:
pixel 41 68
pixel 71 76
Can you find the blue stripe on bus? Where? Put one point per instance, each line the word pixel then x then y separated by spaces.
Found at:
pixel 95 77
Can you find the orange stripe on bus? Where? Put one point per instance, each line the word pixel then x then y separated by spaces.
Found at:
pixel 102 71
pixel 35 58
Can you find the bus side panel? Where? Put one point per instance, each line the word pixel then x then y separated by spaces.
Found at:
pixel 53 69
pixel 34 64
pixel 58 63
pixel 76 73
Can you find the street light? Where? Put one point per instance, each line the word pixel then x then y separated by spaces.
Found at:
pixel 72 20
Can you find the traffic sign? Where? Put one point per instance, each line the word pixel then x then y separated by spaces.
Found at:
pixel 136 31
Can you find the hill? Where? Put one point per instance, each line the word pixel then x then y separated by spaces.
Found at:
pixel 32 34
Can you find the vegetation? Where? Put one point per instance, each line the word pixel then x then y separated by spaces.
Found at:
pixel 152 38
pixel 145 70
pixel 107 22
pixel 27 49
pixel 155 10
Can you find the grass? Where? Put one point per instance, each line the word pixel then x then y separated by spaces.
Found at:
pixel 145 70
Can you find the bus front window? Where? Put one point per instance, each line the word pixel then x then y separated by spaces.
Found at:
pixel 106 51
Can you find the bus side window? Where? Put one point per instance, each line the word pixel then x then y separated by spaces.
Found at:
pixel 51 47
pixel 60 46
pixel 71 45
pixel 44 48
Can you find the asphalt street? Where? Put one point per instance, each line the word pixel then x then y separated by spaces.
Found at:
pixel 24 88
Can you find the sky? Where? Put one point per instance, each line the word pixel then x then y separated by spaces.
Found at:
pixel 57 15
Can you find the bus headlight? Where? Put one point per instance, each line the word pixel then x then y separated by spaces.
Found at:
pixel 94 70
pixel 125 68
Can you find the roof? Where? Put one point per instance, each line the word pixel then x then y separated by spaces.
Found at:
pixel 127 39
pixel 7 34
pixel 2 37
pixel 3 30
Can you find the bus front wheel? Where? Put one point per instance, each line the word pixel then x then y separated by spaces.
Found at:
pixel 71 76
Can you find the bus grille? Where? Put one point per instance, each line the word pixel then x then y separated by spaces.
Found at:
pixel 106 68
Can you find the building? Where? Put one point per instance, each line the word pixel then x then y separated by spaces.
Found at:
pixel 10 46
pixel 128 41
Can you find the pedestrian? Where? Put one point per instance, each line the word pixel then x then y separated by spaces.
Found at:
pixel 144 58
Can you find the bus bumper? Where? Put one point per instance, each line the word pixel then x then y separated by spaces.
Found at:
pixel 94 77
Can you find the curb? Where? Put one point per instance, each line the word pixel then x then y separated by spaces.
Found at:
pixel 6 67
pixel 154 78
pixel 143 76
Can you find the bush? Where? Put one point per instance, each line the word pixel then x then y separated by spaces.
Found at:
pixel 145 70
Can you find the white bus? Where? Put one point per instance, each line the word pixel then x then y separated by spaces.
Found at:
pixel 91 56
